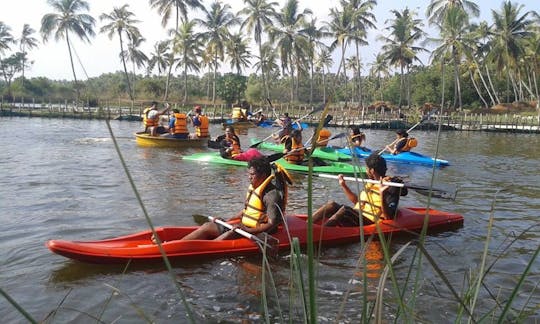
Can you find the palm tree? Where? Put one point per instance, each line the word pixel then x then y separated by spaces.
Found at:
pixel 216 22
pixel 121 22
pixel 437 9
pixel 259 15
pixel 188 45
pixel 290 43
pixel 362 20
pixel 267 62
pixel 454 44
pixel 509 31
pixel 26 42
pixel 324 60
pixel 6 39
pixel 158 58
pixel 399 49
pixel 137 57
pixel 313 34
pixel 165 8
pixel 66 20
pixel 238 53
pixel 340 27
pixel 379 68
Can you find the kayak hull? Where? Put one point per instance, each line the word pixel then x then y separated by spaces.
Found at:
pixel 139 247
pixel 146 140
pixel 331 167
pixel 324 153
pixel 403 157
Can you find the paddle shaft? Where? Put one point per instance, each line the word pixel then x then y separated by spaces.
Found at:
pixel 277 156
pixel 237 230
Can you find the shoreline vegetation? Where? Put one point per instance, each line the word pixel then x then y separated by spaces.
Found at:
pixel 508 120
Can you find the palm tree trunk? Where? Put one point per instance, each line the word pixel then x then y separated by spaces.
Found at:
pixel 400 85
pixel 484 83
pixel 214 81
pixel 265 84
pixel 168 80
pixel 185 85
pixel 492 87
pixel 125 67
pixel 458 84
pixel 471 75
pixel 73 68
pixel 324 84
pixel 359 75
pixel 311 82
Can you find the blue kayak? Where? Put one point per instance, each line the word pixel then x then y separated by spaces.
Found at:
pixel 403 157
pixel 266 123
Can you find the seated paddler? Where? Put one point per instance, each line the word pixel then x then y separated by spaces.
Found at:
pixel 376 202
pixel 230 147
pixel 264 205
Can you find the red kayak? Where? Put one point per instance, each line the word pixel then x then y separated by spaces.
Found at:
pixel 139 247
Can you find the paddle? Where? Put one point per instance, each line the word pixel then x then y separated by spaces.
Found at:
pixel 266 243
pixel 277 156
pixel 295 121
pixel 424 190
pixel 409 130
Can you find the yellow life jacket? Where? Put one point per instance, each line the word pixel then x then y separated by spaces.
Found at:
pixel 324 136
pixel 180 124
pixel 370 203
pixel 202 130
pixel 254 212
pixel 238 113
pixel 149 122
pixel 296 155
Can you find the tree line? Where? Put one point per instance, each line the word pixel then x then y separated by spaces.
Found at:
pixel 472 64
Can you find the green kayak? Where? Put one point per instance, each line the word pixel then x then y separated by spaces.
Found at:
pixel 325 153
pixel 331 167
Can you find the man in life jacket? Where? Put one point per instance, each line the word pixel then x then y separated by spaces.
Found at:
pixel 294 148
pixel 376 200
pixel 201 123
pixel 402 143
pixel 264 206
pixel 178 125
pixel 238 114
pixel 151 117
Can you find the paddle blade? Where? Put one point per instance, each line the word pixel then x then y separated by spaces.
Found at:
pixel 268 244
pixel 435 192
pixel 200 219
pixel 275 157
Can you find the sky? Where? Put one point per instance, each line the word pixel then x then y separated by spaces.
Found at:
pixel 51 59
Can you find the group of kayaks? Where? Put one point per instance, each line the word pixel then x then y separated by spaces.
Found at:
pixel 140 247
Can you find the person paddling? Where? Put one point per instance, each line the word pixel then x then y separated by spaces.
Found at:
pixel 151 117
pixel 230 147
pixel 264 206
pixel 201 123
pixel 357 138
pixel 402 143
pixel 376 201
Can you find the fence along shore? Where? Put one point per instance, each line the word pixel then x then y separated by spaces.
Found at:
pixel 343 116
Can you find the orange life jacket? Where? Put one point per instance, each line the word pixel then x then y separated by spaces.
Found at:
pixel 180 124
pixel 149 122
pixel 235 145
pixel 202 130
pixel 296 155
pixel 324 136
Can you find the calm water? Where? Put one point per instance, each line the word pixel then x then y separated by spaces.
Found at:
pixel 62 179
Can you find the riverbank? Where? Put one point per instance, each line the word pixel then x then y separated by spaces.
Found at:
pixel 342 117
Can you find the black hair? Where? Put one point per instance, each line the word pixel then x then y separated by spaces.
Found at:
pixel 261 166
pixel 376 162
pixel 355 130
pixel 402 132
pixel 230 128
pixel 296 132
pixel 154 103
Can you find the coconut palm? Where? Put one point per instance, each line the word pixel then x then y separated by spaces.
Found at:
pixel 68 20
pixel 6 39
pixel 121 23
pixel 216 25
pixel 510 29
pixel 137 57
pixel 363 20
pixel 259 14
pixel 158 58
pixel 454 44
pixel 188 45
pixel 165 8
pixel 399 49
pixel 290 43
pixel 324 61
pixel 437 9
pixel 26 42
pixel 340 27
pixel 379 69
pixel 238 53
pixel 314 34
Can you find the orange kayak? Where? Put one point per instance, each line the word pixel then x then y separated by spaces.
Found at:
pixel 139 247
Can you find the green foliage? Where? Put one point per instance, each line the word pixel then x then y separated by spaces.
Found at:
pixel 231 87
